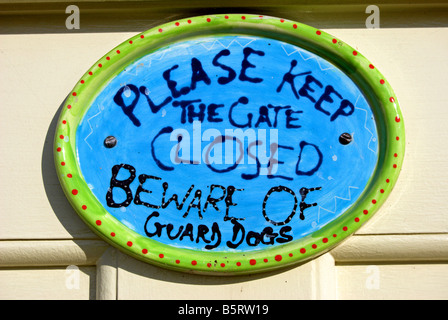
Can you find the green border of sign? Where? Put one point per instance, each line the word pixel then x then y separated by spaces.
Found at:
pixel 378 92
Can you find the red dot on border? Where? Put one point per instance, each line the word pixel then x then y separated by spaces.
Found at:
pixel 395 166
pixel 82 81
pixel 335 235
pixel 371 66
pixel 144 251
pixel 209 265
pixel 387 180
pixel 118 51
pixel 397 138
pixel 325 240
pixel 160 30
pixel 382 190
pixel 281 20
pixel 395 155
pixel 177 261
pixel 294 26
pixel 64 121
pixel 374 201
pixel 98 222
pixel 69 106
pixel 62 163
pixel 397 119
pixel 382 81
pixel 223 265
pixel 334 41
pixel 356 219
pixel 84 207
pixel 107 58
pixel 129 243
pixel 100 65
pixel 161 255
pixel 69 175
pixel 243 17
pixel 208 19
pixel 345 228
pixel 278 257
pixel 314 246
pixel 74 94
pixel 142 36
pixel 355 53
pixel 318 32
pixel 252 262
pixel 112 234
pixel 265 260
pixel 391 99
pixel 131 42
pixel 365 212
pixel 58 149
pixel 74 192
pixel 189 21
pixel 194 262
pixel 238 264
pixel 90 73
pixel 303 250
pixel 290 254
pixel 227 17
pixel 177 24
pixel 61 136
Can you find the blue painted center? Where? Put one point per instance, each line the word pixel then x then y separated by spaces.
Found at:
pixel 228 143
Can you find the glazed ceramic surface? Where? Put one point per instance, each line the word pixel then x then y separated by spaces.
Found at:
pixel 229 144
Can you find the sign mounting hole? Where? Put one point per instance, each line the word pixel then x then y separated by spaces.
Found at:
pixel 110 142
pixel 345 138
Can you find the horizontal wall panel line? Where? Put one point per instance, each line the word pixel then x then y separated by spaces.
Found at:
pixel 393 248
pixel 51 253
pixel 431 248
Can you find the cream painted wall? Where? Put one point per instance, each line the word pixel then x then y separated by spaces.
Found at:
pixel 401 253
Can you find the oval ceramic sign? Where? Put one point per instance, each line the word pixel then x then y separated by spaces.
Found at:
pixel 229 143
